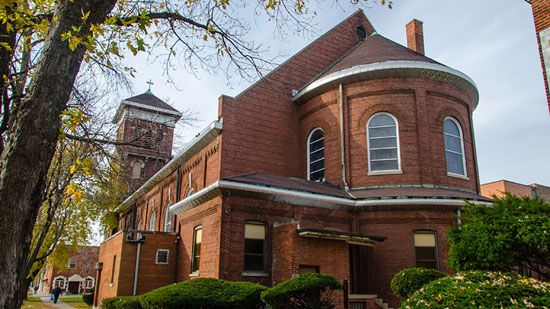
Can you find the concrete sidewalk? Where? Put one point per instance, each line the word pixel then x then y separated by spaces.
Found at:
pixel 45 298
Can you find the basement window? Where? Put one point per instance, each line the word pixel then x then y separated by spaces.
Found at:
pixel 162 256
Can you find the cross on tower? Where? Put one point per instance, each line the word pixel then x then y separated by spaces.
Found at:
pixel 150 84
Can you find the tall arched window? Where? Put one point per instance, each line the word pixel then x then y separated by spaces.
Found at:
pixel 383 143
pixel 152 221
pixel 167 219
pixel 316 155
pixel 454 147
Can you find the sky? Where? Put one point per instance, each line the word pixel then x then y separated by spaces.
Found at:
pixel 492 41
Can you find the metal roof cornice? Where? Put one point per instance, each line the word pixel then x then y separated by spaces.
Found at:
pixel 388 69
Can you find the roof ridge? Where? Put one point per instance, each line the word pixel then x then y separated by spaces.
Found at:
pixel 263 78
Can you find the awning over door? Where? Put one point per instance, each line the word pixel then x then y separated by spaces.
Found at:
pixel 351 238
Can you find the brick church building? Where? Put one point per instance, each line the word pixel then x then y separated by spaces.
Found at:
pixel 352 158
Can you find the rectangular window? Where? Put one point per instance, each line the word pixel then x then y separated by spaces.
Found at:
pixel 197 240
pixel 308 269
pixel 72 263
pixel 425 250
pixel 113 270
pixel 254 247
pixel 162 256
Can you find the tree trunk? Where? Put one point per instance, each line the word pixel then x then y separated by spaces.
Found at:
pixel 33 134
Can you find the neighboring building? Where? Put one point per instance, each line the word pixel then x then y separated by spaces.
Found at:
pixel 500 187
pixel 541 16
pixel 77 278
pixel 351 159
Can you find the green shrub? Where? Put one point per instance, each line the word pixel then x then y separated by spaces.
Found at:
pixel 409 280
pixel 204 293
pixel 481 289
pixel 304 291
pixel 122 302
pixel 88 298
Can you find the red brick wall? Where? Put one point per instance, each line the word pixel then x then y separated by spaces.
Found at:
pixel 290 251
pixel 205 169
pixel 261 124
pixel 420 106
pixel 208 216
pixel 397 251
pixel 150 274
pixel 541 16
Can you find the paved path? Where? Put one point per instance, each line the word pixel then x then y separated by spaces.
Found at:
pixel 46 299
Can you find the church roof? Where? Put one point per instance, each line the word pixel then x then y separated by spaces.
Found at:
pixel 149 99
pixel 149 102
pixel 376 48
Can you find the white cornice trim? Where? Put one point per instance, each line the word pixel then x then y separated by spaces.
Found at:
pixel 125 103
pixel 396 68
pixel 202 139
pixel 319 200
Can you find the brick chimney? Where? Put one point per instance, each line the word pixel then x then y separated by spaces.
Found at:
pixel 415 36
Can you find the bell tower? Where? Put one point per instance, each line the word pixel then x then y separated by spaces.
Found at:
pixel 145 133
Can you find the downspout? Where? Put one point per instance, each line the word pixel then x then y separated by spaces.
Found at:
pixel 136 269
pixel 342 142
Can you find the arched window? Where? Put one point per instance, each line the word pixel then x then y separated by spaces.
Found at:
pixel 167 219
pixel 136 169
pixel 383 143
pixel 152 221
pixel 454 147
pixel 316 155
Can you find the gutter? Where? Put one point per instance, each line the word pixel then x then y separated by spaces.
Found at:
pixel 204 137
pixel 188 202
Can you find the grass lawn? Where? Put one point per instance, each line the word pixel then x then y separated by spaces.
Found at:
pixel 74 301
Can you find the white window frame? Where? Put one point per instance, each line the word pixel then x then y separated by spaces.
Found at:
pixel 308 152
pixel 92 280
pixel 64 282
pixel 465 175
pixel 167 257
pixel 384 172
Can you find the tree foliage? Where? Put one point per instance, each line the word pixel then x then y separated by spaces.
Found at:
pixel 512 234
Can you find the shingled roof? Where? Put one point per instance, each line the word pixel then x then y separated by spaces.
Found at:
pixel 376 48
pixel 149 99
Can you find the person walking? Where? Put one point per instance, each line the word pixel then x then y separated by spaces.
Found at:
pixel 56 291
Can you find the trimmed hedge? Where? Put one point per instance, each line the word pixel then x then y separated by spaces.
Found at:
pixel 302 292
pixel 88 298
pixel 482 289
pixel 410 280
pixel 204 293
pixel 122 302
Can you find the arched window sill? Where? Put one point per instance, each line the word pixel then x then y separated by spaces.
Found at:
pixel 375 173
pixel 457 176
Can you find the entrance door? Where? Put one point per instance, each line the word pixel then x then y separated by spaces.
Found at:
pixel 359 269
pixel 73 287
